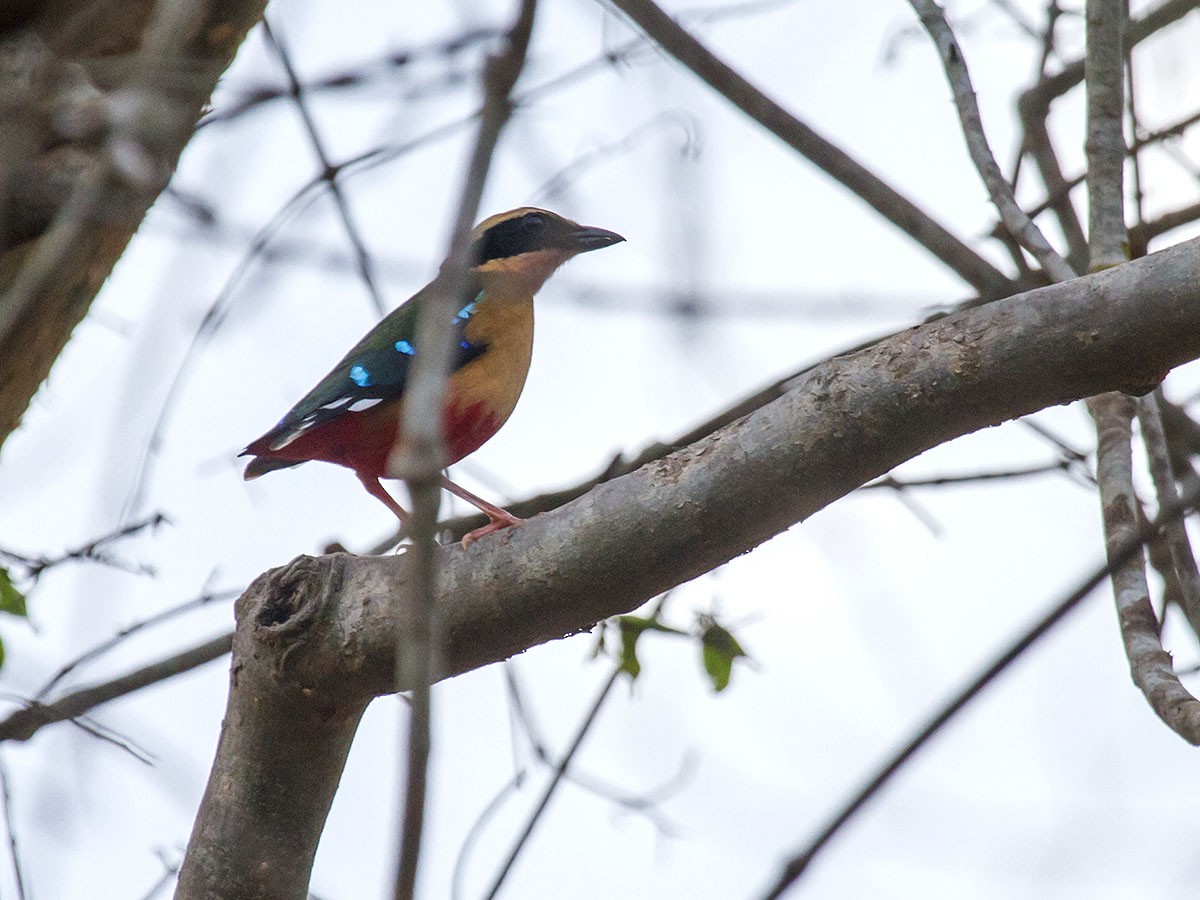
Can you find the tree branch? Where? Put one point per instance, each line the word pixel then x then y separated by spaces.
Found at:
pixel 1019 225
pixel 24 723
pixel 897 209
pixel 316 639
pixel 1122 553
pixel 1149 664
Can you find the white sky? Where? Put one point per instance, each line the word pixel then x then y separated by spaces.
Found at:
pixel 1058 782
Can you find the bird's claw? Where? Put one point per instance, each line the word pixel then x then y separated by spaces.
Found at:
pixel 497 523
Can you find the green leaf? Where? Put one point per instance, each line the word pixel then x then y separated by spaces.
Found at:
pixel 632 628
pixel 721 648
pixel 12 601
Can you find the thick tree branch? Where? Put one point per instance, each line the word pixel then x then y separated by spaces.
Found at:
pixel 316 638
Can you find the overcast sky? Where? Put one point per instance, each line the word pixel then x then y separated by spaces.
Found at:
pixel 1058 783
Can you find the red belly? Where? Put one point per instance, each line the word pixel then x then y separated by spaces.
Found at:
pixel 363 441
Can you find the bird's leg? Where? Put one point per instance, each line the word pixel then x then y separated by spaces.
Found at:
pixel 376 490
pixel 500 518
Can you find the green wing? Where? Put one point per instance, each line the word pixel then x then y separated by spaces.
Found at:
pixel 376 368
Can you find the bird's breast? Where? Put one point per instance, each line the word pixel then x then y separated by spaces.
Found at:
pixel 482 394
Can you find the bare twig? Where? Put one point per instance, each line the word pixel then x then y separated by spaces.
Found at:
pixel 1014 218
pixel 1154 20
pixel 642 802
pixel 1184 572
pixel 420 457
pixel 493 806
pixel 24 723
pixel 1149 663
pixel 169 874
pixel 901 484
pixel 363 73
pixel 894 207
pixel 1119 555
pixel 560 770
pixel 157 619
pixel 92 551
pixel 552 787
pixel 1141 234
pixel 328 173
pixel 10 827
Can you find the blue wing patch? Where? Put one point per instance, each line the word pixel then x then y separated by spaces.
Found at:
pixel 369 375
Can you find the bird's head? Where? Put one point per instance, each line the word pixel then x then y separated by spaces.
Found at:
pixel 531 243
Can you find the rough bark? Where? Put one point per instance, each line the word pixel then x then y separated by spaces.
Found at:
pixel 316 638
pixel 97 100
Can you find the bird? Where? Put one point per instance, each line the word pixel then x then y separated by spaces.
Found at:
pixel 352 417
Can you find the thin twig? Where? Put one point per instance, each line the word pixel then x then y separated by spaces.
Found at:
pixel 36 566
pixel 555 781
pixel 900 484
pixel 157 619
pixel 894 207
pixel 642 803
pixel 328 174
pixel 107 735
pixel 251 97
pixel 473 834
pixel 420 458
pixel 10 827
pixel 170 873
pixel 1014 218
pixel 1183 560
pixel 24 723
pixel 561 769
pixel 1048 89
pixel 1117 557
pixel 1150 664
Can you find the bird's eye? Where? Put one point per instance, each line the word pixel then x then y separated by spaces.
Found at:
pixel 533 222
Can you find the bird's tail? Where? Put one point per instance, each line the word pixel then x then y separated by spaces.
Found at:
pixel 261 465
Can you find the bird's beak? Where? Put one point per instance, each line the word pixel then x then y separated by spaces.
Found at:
pixel 586 238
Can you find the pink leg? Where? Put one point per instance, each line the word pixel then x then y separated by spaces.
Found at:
pixel 500 518
pixel 376 490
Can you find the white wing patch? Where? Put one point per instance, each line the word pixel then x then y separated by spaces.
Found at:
pixel 323 414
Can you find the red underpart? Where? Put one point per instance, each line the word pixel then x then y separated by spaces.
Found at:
pixel 363 441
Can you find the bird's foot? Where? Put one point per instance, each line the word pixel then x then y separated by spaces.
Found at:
pixel 497 523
